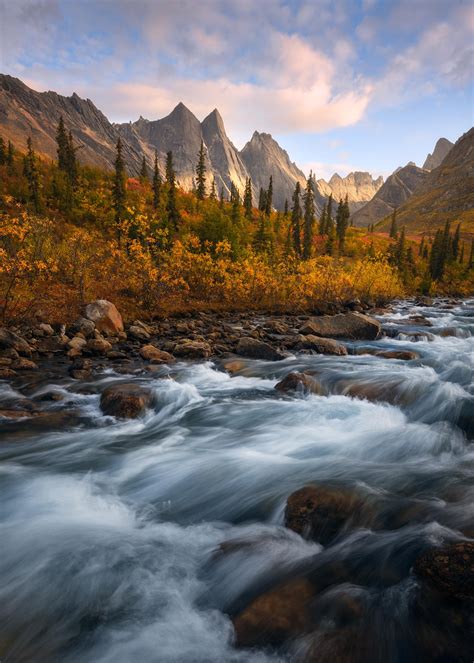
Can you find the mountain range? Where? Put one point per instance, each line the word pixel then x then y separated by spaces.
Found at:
pixel 25 112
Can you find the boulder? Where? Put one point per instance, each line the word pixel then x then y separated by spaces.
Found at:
pixel 46 329
pixel 98 346
pixel 255 349
pixel 323 346
pixel 276 327
pixel 321 513
pixel 77 343
pixel 52 345
pixel 343 325
pixel 138 333
pixel 192 349
pixel 22 364
pixel 6 373
pixel 155 355
pixel 299 382
pixel 10 340
pixel 275 616
pixel 449 570
pixel 82 326
pixel 105 316
pixel 81 368
pixel 405 355
pixel 125 401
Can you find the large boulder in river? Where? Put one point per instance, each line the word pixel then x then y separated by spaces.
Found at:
pixel 255 349
pixel 105 316
pixel 323 346
pixel 321 512
pixel 125 401
pixel 299 382
pixel 449 570
pixel 344 325
pixel 275 616
pixel 10 340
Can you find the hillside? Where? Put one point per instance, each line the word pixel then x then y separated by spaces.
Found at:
pixel 445 194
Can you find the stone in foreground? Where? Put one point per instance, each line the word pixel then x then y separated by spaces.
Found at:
pixel 449 569
pixel 125 401
pixel 323 346
pixel 299 382
pixel 255 349
pixel 352 325
pixel 105 316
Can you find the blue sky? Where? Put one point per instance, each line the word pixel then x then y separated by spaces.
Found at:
pixel 341 84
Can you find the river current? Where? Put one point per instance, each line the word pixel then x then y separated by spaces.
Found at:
pixel 111 531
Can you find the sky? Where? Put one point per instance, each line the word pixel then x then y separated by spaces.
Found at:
pixel 341 84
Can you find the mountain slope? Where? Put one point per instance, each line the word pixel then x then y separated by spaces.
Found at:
pixel 360 187
pixel 446 193
pixel 25 112
pixel 442 147
pixel 394 192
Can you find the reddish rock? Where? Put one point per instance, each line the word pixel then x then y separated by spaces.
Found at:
pixel 125 401
pixel 299 382
pixel 155 355
pixel 405 355
pixel 344 325
pixel 105 316
pixel 324 346
pixel 449 569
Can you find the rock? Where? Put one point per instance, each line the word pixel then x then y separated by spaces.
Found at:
pixel 277 327
pixel 105 316
pixel 276 616
pixel 125 401
pixel 9 353
pixel 116 354
pixel 46 329
pixel 321 513
pixel 7 373
pixel 138 333
pixel 324 346
pixel 52 345
pixel 406 355
pixel 98 346
pixel 77 343
pixel 83 326
pixel 81 368
pixel 255 349
pixel 15 414
pixel 151 353
pixel 449 569
pixel 233 366
pixel 299 382
pixel 22 364
pixel 10 340
pixel 192 349
pixel 5 361
pixel 344 325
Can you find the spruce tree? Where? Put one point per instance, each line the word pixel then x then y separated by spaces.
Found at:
pixel 269 197
pixel 262 200
pixel 470 264
pixel 342 222
pixel 201 173
pixel 322 221
pixel 171 206
pixel 248 198
pixel 3 152
pixel 144 170
pixel 285 208
pixel 329 220
pixel 63 145
pixel 156 183
pixel 461 255
pixel 296 220
pixel 393 226
pixel 213 194
pixel 235 204
pixel 400 250
pixel 221 197
pixel 10 157
pixel 30 170
pixel 308 205
pixel 436 262
pixel 118 190
pixel 71 161
pixel 421 247
pixel 456 241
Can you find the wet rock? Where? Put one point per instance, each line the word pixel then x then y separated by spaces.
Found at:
pixel 449 570
pixel 192 349
pixel 321 513
pixel 125 401
pixel 105 316
pixel 155 355
pixel 344 325
pixel 5 361
pixel 276 616
pixel 299 382
pixel 77 343
pixel 116 354
pixel 15 414
pixel 7 373
pixel 419 320
pixel 405 355
pixel 138 333
pixel 46 329
pixel 233 366
pixel 10 340
pixel 255 349
pixel 324 346
pixel 81 369
pixel 22 364
pixel 52 345
pixel 98 346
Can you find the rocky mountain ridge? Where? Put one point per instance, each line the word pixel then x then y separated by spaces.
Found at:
pixel 440 152
pixel 360 187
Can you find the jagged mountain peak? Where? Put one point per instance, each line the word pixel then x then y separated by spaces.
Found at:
pixel 441 150
pixel 214 122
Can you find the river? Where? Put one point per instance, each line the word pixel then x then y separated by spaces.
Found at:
pixel 111 531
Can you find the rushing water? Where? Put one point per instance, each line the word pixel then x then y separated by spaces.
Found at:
pixel 110 530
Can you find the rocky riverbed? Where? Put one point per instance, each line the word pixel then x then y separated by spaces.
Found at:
pixel 239 487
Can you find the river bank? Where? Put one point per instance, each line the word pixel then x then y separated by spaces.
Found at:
pixel 309 505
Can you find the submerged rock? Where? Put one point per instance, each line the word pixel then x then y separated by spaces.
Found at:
pixel 299 382
pixel 275 616
pixel 321 513
pixel 344 325
pixel 255 349
pixel 125 401
pixel 449 569
pixel 405 355
pixel 105 316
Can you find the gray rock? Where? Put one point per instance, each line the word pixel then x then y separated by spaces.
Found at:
pixel 255 349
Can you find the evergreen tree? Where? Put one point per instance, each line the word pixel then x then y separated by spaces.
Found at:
pixel 342 222
pixel 248 198
pixel 201 173
pixel 285 208
pixel 156 183
pixel 322 221
pixel 118 190
pixel 400 250
pixel 3 152
pixel 235 204
pixel 144 170
pixel 421 247
pixel 269 197
pixel 171 206
pixel 221 197
pixel 262 200
pixel 213 194
pixel 470 264
pixel 30 170
pixel 436 263
pixel 447 244
pixel 63 145
pixel 329 220
pixel 296 220
pixel 10 157
pixel 393 226
pixel 461 255
pixel 71 167
pixel 308 205
pixel 456 241
pixel 330 243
